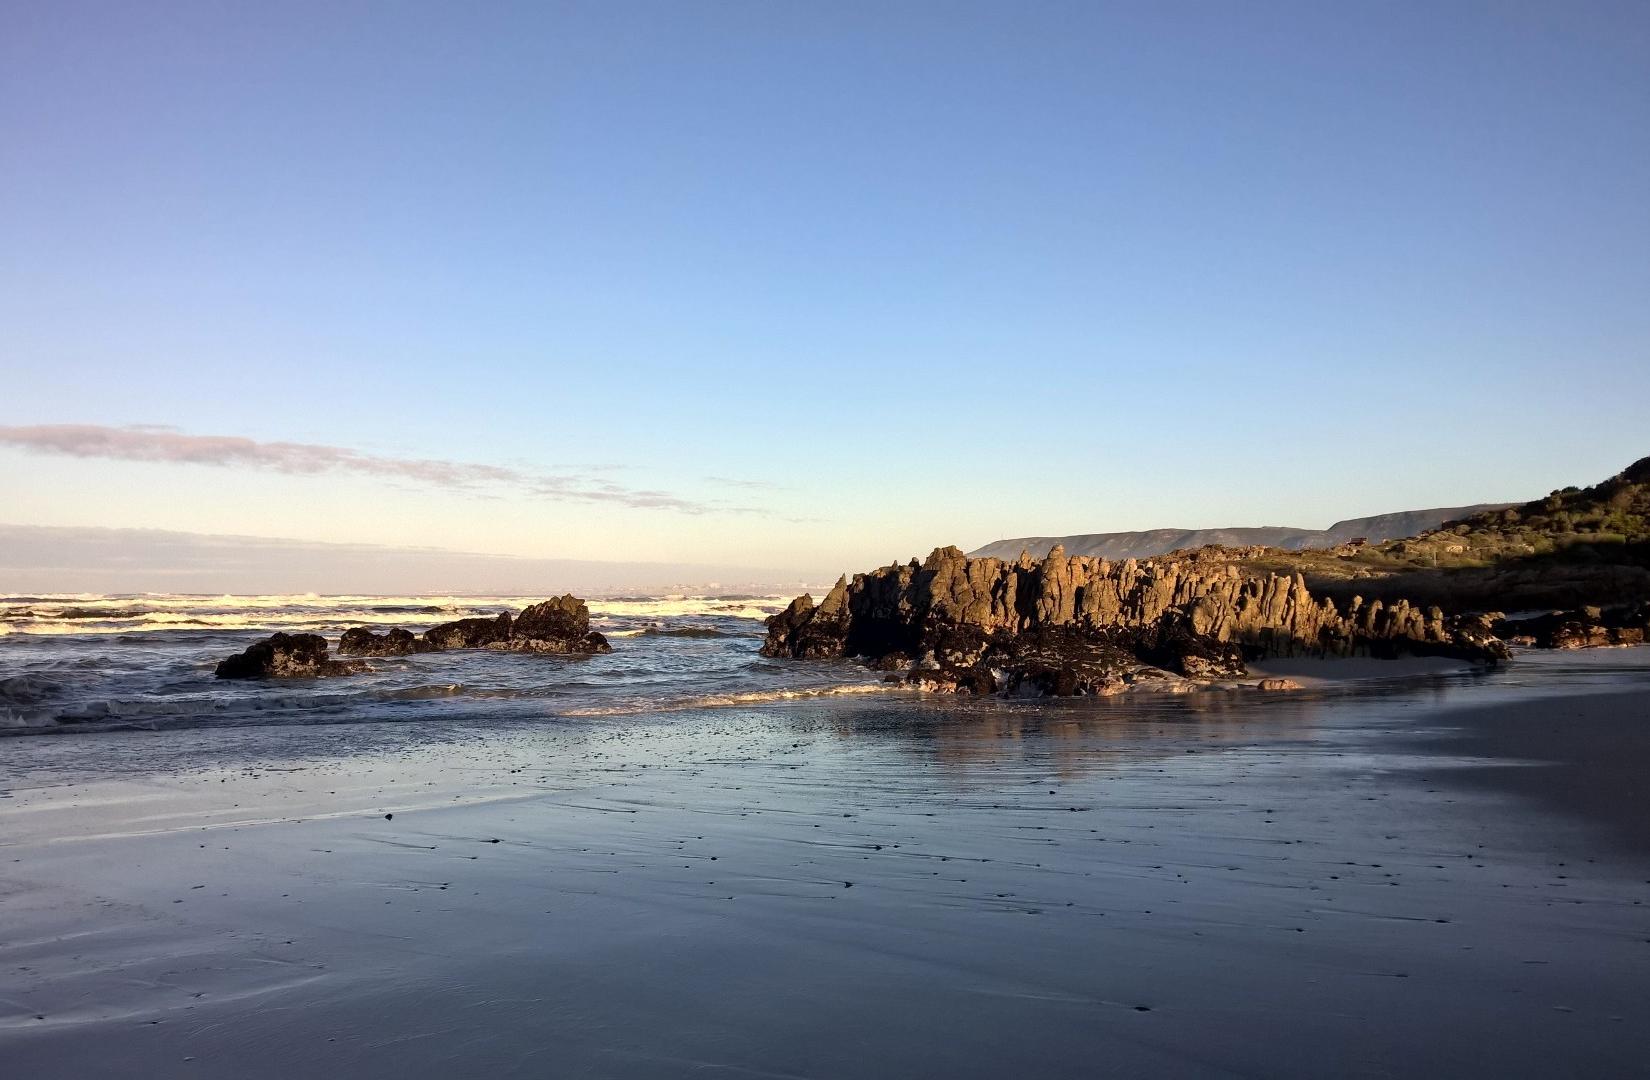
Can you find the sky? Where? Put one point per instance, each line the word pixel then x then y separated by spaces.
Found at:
pixel 811 287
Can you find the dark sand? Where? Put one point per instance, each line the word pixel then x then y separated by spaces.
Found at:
pixel 1386 882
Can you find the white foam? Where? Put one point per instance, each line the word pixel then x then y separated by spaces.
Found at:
pixel 124 614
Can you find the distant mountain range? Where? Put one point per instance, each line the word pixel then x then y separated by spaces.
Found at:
pixel 1140 545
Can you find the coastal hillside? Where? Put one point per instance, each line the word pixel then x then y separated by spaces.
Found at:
pixel 1144 545
pixel 1577 546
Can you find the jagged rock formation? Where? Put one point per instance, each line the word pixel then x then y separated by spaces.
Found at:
pixel 559 626
pixel 1153 542
pixel 1071 624
pixel 286 656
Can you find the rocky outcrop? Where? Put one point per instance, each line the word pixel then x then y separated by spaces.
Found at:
pixel 363 642
pixel 1055 662
pixel 467 634
pixel 559 626
pixel 1583 628
pixel 1079 625
pixel 286 656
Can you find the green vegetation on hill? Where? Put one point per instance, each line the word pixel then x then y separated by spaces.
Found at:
pixel 1601 522
pixel 1576 546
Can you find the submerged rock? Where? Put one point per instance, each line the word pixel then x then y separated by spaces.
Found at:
pixel 286 656
pixel 1073 625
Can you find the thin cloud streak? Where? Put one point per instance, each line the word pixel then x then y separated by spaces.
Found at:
pixel 748 485
pixel 153 443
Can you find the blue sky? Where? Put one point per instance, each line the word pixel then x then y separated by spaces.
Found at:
pixel 906 274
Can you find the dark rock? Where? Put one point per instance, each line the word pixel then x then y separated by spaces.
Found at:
pixel 1175 644
pixel 588 644
pixel 1582 628
pixel 363 642
pixel 557 626
pixel 1068 625
pixel 1062 662
pixel 814 633
pixel 468 633
pixel 559 618
pixel 952 680
pixel 560 626
pixel 286 656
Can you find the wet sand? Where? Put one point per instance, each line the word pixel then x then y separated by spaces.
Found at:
pixel 1325 883
pixel 1586 756
pixel 1310 671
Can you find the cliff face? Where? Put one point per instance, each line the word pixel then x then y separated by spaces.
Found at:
pixel 991 624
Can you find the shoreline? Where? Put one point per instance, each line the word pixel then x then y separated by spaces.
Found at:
pixel 1288 885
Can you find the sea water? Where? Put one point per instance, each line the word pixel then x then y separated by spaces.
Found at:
pixel 98 663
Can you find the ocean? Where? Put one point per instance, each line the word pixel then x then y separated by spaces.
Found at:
pixel 87 663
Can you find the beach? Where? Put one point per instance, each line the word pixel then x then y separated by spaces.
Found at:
pixel 774 541
pixel 1373 877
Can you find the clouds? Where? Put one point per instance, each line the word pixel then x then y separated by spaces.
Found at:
pixel 153 443
pixel 745 485
pixel 49 559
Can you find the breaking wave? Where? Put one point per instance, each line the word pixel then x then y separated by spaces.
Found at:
pixel 82 613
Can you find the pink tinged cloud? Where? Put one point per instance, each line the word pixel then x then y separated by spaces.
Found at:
pixel 163 445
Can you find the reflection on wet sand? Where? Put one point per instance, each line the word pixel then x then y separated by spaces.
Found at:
pixel 1290 886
